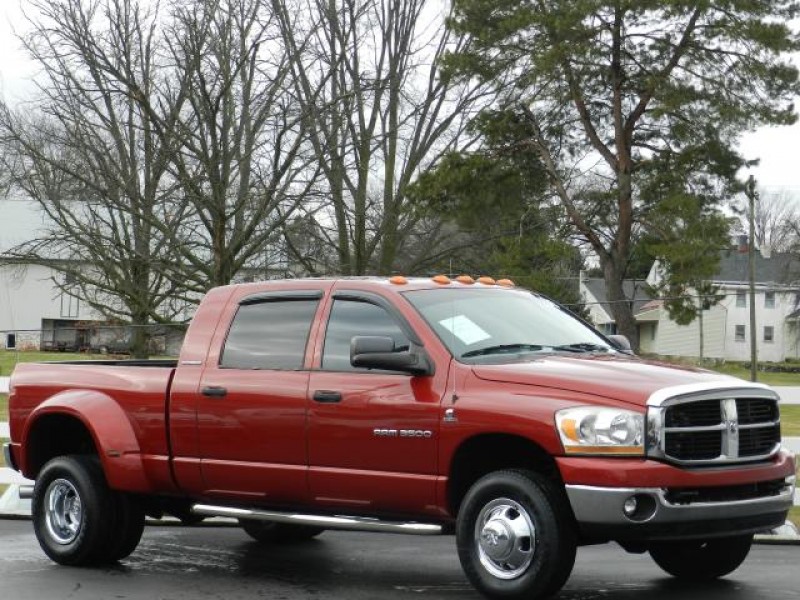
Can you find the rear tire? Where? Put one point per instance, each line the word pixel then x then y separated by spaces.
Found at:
pixel 129 527
pixel 73 511
pixel 267 532
pixel 514 537
pixel 701 560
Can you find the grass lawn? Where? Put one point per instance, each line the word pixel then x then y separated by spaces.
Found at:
pixel 737 370
pixel 3 408
pixel 9 358
pixel 790 419
pixel 794 515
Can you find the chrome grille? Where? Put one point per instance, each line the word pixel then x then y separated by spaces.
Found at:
pixel 712 427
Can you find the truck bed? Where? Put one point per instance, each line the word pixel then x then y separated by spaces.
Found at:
pixel 139 388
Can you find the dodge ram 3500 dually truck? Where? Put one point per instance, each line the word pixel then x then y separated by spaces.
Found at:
pixel 417 406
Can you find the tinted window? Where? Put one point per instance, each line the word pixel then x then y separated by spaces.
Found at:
pixel 350 318
pixel 269 335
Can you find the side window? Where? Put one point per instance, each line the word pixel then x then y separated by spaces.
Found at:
pixel 269 335
pixel 350 318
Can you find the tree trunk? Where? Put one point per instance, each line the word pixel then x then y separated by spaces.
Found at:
pixel 620 306
pixel 700 317
pixel 139 336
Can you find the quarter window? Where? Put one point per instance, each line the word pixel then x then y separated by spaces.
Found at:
pixel 269 335
pixel 350 318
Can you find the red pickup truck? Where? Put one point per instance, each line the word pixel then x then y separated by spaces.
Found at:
pixel 417 406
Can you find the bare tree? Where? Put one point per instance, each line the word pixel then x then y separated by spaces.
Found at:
pixel 366 75
pixel 86 154
pixel 777 219
pixel 239 155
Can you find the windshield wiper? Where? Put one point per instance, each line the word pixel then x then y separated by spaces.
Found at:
pixel 581 347
pixel 502 349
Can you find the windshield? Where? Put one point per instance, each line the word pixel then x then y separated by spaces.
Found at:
pixel 481 323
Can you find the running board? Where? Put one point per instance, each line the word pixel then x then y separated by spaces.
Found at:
pixel 324 521
pixel 25 492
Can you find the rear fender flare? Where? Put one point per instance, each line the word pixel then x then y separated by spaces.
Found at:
pixel 110 428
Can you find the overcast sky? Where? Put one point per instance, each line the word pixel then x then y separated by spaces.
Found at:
pixel 776 147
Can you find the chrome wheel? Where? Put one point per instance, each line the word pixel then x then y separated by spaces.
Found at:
pixel 63 511
pixel 505 538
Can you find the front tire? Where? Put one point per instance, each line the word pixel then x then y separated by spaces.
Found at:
pixel 514 537
pixel 701 560
pixel 72 509
pixel 267 532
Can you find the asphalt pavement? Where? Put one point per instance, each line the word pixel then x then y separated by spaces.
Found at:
pixel 175 563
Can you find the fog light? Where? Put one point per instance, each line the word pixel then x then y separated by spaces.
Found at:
pixel 630 506
pixel 640 508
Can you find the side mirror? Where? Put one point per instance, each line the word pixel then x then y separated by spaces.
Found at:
pixel 378 352
pixel 620 342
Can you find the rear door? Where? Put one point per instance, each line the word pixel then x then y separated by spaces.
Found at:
pixel 251 414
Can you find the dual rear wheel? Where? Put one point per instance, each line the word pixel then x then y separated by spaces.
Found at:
pixel 78 520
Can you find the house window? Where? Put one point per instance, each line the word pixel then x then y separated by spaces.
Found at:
pixel 70 306
pixel 769 333
pixel 741 298
pixel 769 300
pixel 740 333
pixel 11 341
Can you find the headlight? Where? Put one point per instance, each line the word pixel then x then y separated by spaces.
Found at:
pixel 589 430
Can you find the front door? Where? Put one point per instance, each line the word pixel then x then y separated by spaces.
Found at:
pixel 373 435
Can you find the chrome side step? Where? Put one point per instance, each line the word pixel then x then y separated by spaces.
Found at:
pixel 25 492
pixel 325 521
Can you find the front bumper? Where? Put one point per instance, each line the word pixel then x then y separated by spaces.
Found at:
pixel 680 504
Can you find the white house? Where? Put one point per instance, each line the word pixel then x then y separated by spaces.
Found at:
pixel 726 326
pixel 593 293
pixel 33 310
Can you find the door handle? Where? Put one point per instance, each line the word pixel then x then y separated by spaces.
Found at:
pixel 327 396
pixel 214 391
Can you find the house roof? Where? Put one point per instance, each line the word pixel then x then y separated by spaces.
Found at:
pixel 779 268
pixel 634 289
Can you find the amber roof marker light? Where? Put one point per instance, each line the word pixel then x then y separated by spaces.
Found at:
pixel 398 280
pixel 486 280
pixel 505 282
pixel 441 279
pixel 466 279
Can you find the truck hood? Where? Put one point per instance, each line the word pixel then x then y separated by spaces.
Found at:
pixel 629 380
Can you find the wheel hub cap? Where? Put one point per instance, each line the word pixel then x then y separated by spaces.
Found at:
pixel 496 540
pixel 505 538
pixel 63 511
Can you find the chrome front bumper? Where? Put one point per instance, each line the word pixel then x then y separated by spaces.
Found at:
pixel 601 511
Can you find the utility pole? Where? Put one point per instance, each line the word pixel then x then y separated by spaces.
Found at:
pixel 752 197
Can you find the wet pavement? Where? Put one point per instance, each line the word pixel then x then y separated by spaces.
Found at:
pixel 221 562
